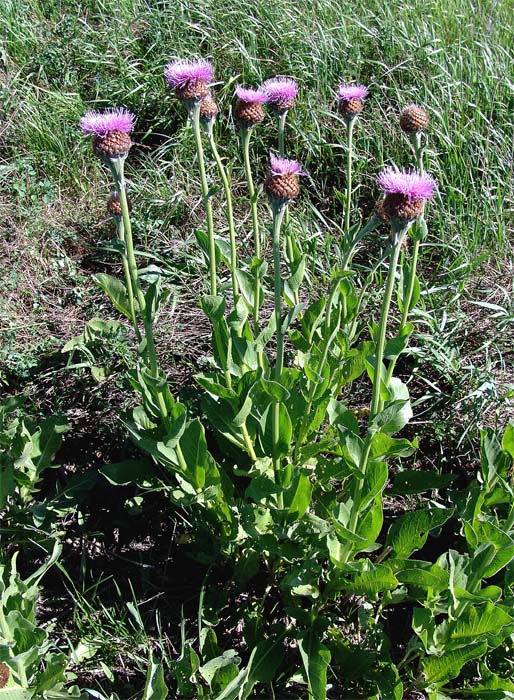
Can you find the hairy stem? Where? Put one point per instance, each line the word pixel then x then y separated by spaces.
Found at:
pixel 349 165
pixel 278 215
pixel 195 121
pixel 128 280
pixel 281 123
pixel 245 145
pixel 398 236
pixel 230 212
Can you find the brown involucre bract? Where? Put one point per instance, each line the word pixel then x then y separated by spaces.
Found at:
pixel 413 118
pixel 113 145
pixel 114 205
pixel 208 108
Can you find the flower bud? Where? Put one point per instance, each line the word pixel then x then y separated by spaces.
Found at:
pixel 413 119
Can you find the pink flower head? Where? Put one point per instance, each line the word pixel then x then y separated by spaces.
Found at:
pixel 102 123
pixel 251 96
pixel 410 183
pixel 180 73
pixel 352 92
pixel 284 166
pixel 281 92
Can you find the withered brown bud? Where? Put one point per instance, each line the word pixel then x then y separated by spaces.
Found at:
pixel 4 675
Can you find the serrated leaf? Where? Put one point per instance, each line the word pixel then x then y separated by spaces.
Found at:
pixel 409 532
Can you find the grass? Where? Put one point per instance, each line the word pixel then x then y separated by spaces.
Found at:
pixel 59 58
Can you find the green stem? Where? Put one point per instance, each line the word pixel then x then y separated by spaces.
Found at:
pixel 230 211
pixel 415 140
pixel 406 304
pixel 245 145
pixel 118 170
pixel 349 163
pixel 278 215
pixel 128 281
pixel 399 233
pixel 248 442
pixel 195 121
pixel 281 123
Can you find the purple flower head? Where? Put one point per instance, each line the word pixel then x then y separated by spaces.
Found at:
pixel 281 92
pixel 102 123
pixel 284 166
pixel 409 183
pixel 180 73
pixel 249 95
pixel 352 92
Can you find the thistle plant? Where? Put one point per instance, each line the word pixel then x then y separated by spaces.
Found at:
pixel 281 474
pixel 350 104
pixel 111 142
pixel 248 113
pixel 190 82
pixel 281 186
pixel 282 93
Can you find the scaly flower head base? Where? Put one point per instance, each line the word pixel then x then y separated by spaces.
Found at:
pixel 351 99
pixel 281 93
pixel 110 130
pixel 281 184
pixel 413 119
pixel 189 79
pixel 405 192
pixel 248 110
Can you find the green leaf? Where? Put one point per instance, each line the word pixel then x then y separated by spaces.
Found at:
pixel 384 446
pixel 194 449
pixel 508 440
pixel 301 490
pixel 374 579
pixel 247 287
pixel 441 669
pixel 210 669
pixel 213 307
pixel 116 291
pixel 131 471
pixel 393 418
pixel 486 619
pixel 409 532
pixel 315 657
pixel 410 481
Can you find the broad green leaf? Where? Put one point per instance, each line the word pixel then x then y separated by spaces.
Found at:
pixel 409 482
pixel 131 471
pixel 247 286
pixel 508 440
pixel 384 446
pixel 315 657
pixel 441 669
pixel 209 670
pixel 301 490
pixel 116 291
pixel 409 532
pixel 376 579
pixel 194 449
pixel 393 418
pixel 213 307
pixel 483 620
